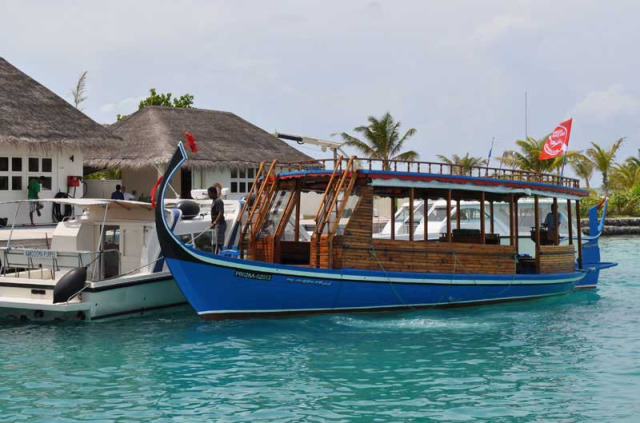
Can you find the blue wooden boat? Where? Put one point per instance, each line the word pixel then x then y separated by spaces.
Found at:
pixel 343 268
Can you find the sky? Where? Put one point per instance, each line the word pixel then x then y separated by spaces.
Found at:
pixel 456 71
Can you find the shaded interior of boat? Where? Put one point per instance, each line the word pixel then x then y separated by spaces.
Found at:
pixel 271 230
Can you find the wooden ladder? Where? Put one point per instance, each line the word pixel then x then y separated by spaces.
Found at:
pixel 334 201
pixel 259 188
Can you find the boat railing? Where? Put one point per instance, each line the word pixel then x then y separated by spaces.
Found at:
pixel 437 168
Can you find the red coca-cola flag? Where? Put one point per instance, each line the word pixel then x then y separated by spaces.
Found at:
pixel 558 141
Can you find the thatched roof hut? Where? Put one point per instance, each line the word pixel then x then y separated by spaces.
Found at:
pixel 223 139
pixel 34 116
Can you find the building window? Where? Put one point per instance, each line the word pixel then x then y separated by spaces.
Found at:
pixel 16 183
pixel 242 179
pixel 4 183
pixel 34 164
pixel 4 164
pixel 47 165
pixel 16 164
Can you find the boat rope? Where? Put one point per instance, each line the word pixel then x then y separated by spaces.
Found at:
pixel 373 253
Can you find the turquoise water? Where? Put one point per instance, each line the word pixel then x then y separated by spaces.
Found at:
pixel 574 358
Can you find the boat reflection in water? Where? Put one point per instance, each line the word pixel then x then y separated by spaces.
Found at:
pixel 344 268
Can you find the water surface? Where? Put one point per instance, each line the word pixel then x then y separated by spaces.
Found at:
pixel 574 358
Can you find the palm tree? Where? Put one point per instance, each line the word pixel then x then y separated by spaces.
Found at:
pixel 383 140
pixel 528 158
pixel 626 176
pixel 583 167
pixel 463 165
pixel 603 160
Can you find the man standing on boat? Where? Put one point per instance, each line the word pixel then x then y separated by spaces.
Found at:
pixel 218 224
pixel 117 194
pixel 550 222
pixel 33 190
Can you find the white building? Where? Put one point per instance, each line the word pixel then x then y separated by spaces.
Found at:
pixel 41 135
pixel 230 150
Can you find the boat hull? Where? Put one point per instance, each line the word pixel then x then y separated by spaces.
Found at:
pixel 233 289
pixel 105 300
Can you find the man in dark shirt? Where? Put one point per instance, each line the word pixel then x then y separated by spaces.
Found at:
pixel 218 224
pixel 117 194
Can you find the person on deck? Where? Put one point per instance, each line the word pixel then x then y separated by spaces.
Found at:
pixel 117 194
pixel 126 195
pixel 217 219
pixel 550 223
pixel 33 191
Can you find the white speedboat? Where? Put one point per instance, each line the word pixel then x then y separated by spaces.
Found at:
pixel 105 262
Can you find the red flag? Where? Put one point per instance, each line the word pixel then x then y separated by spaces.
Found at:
pixel 191 141
pixel 153 192
pixel 558 141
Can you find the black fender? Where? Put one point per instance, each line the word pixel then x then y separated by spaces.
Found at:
pixel 189 209
pixel 69 284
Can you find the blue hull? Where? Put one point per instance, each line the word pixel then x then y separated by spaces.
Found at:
pixel 232 288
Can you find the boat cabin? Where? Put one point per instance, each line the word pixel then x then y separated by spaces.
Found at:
pixel 455 198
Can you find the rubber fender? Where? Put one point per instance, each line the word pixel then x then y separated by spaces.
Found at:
pixel 69 285
pixel 189 209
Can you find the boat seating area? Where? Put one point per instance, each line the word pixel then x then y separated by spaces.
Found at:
pixel 349 187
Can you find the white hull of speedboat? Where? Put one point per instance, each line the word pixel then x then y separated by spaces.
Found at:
pixel 108 299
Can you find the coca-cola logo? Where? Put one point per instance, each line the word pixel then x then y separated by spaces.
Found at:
pixel 556 142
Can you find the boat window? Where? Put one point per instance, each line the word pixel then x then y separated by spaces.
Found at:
pixel 438 214
pixel 186 238
pixel 204 242
pixel 111 251
pixel 282 197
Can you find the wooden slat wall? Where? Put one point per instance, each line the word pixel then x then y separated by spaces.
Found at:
pixel 417 256
pixel 557 258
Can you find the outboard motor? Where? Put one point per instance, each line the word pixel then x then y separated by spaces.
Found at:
pixel 189 209
pixel 69 285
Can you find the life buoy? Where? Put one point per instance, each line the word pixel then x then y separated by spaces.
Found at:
pixel 56 210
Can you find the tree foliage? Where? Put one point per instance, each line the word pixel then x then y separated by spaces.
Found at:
pixel 382 140
pixel 185 101
pixel 462 165
pixel 603 160
pixel 79 92
pixel 528 157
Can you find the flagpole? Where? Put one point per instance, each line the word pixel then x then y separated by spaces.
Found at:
pixel 489 158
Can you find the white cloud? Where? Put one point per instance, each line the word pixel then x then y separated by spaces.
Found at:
pixel 607 104
pixel 500 26
pixel 126 106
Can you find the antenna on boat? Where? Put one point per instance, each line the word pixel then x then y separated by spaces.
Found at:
pixel 526 118
pixel 335 147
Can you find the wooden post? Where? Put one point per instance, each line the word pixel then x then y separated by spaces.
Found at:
pixel 512 238
pixel 570 222
pixel 426 217
pixel 297 228
pixel 457 214
pixel 393 218
pixel 483 233
pixel 516 223
pixel 411 198
pixel 579 234
pixel 556 222
pixel 537 226
pixel 449 215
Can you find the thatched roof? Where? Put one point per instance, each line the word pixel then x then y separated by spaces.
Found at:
pixel 223 139
pixel 32 115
